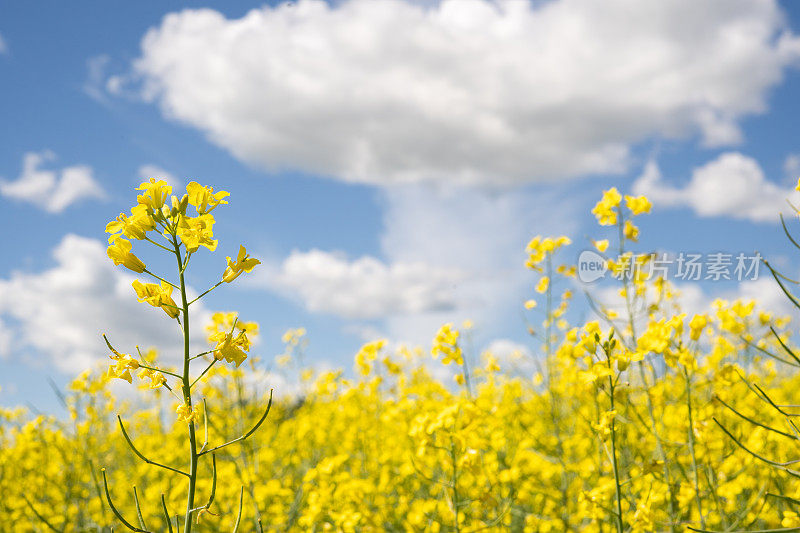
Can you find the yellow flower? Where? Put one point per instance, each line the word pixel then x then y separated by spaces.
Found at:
pixel 601 246
pixel 603 427
pixel 157 296
pixel 293 336
pixel 541 287
pixel 539 248
pixel 605 209
pixel 530 304
pixel 392 367
pixel 446 344
pixel 638 204
pixel 187 413
pixel 491 363
pixel 157 379
pixel 204 198
pixel 631 231
pixel 123 366
pixel 155 194
pixel 367 354
pixel 696 325
pixel 243 263
pixel 197 231
pixel 120 253
pixel 230 346
pixel 134 226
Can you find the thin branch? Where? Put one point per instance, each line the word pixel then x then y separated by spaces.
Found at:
pixel 209 290
pixel 239 517
pixel 779 530
pixel 142 457
pixel 767 352
pixel 148 239
pixel 114 509
pixel 203 373
pixel 783 288
pixel 155 369
pixel 205 425
pixel 200 355
pixel 755 422
pixel 138 508
pixel 773 404
pixel 243 437
pixel 39 516
pixel 786 231
pixel 783 344
pixel 159 278
pixel 207 506
pixel 166 513
pixel 782 466
pixel 785 498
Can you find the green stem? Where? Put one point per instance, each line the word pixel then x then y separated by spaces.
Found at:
pixel 691 447
pixel 187 395
pixel 617 486
pixel 455 486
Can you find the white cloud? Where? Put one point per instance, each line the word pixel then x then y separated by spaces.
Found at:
pixel 791 167
pixel 365 287
pixel 482 234
pixel 60 313
pixel 446 255
pixel 731 185
pixel 3 45
pixel 468 91
pixel 51 190
pixel 146 172
pixel 96 78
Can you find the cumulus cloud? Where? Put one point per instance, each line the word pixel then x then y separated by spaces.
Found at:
pixel 51 190
pixel 731 185
pixel 148 171
pixel 365 287
pixel 446 255
pixel 468 91
pixel 59 314
pixel 484 235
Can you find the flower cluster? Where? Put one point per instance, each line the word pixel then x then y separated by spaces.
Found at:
pixel 166 222
pixel 446 345
pixel 639 418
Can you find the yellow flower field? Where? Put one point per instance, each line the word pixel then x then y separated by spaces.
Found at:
pixel 641 419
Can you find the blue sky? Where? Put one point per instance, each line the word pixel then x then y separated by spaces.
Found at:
pixel 387 162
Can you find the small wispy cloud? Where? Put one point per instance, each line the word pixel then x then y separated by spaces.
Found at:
pixel 51 190
pixel 363 288
pixel 732 185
